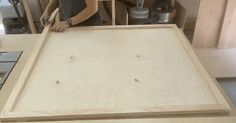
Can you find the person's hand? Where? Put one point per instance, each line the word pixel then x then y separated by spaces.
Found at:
pixel 60 26
pixel 44 18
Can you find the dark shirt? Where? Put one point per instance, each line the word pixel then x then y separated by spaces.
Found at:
pixel 70 8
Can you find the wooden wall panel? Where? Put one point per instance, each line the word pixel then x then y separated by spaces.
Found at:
pixel 210 18
pixel 228 34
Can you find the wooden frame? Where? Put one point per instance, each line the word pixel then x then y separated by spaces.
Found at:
pixel 220 107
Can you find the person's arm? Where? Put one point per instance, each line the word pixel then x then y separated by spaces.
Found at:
pixel 53 4
pixel 91 9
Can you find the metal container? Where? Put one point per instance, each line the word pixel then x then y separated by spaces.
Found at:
pixel 139 13
pixel 165 17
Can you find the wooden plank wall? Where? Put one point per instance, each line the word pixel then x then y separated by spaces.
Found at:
pixel 228 34
pixel 210 18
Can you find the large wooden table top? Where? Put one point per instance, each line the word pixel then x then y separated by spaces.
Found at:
pixel 109 59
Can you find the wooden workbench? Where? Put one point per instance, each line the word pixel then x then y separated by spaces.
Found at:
pixel 26 43
pixel 23 43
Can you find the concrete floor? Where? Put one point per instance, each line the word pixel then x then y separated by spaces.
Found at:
pixel 229 85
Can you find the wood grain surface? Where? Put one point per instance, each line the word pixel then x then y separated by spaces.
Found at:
pixel 228 33
pixel 102 72
pixel 220 63
pixel 156 120
pixel 209 22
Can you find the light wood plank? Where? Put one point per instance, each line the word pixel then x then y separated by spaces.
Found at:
pixel 228 33
pixel 160 120
pixel 220 63
pixel 209 22
pixel 29 16
pixel 113 2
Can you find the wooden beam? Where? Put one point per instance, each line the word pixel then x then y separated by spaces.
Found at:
pixel 228 34
pixel 29 16
pixel 113 12
pixel 154 120
pixel 208 26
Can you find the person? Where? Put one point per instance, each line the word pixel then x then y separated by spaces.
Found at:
pixel 72 13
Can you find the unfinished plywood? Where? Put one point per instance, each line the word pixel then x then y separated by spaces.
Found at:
pixel 228 34
pixel 115 72
pixel 209 22
pixel 220 63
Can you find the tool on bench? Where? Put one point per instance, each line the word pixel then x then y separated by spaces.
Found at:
pixel 161 12
pixel 7 63
pixel 139 12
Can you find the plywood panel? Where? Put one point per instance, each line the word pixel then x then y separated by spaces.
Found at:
pixel 220 63
pixel 228 34
pixel 209 22
pixel 116 72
